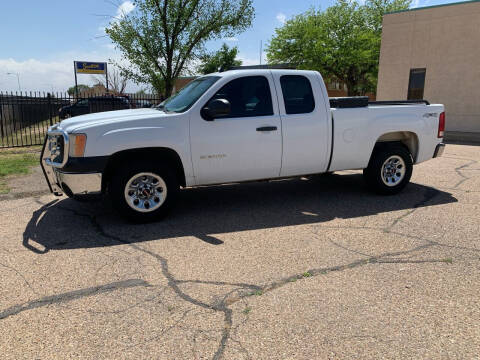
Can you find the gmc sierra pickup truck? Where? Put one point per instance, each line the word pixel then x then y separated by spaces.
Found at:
pixel 235 126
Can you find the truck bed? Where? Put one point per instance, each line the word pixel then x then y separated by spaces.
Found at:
pixel 356 129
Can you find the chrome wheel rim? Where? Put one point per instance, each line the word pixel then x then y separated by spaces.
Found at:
pixel 393 170
pixel 145 192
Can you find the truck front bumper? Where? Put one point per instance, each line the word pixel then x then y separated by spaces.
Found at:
pixel 439 150
pixel 70 183
pixel 77 184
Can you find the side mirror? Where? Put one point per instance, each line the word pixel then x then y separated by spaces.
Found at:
pixel 216 108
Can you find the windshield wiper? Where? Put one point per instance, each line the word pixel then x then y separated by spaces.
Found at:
pixel 164 109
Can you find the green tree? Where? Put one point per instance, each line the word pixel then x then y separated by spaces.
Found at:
pixel 342 42
pixel 223 58
pixel 161 38
pixel 375 9
pixel 81 87
pixel 117 83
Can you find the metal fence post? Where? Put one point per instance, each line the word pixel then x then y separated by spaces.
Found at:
pixel 49 102
pixel 2 133
pixel 23 117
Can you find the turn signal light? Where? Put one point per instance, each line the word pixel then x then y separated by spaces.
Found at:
pixel 78 143
pixel 441 125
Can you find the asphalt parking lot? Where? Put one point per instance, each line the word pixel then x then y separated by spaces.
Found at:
pixel 298 269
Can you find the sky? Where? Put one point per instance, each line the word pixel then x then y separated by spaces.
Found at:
pixel 41 39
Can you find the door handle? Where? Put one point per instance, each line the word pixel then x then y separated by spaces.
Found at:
pixel 267 128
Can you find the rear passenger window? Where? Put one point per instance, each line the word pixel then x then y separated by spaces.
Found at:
pixel 297 94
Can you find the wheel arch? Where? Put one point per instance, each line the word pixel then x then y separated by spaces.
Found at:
pixel 408 139
pixel 153 153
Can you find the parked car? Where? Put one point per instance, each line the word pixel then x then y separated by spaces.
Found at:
pixel 143 104
pixel 236 126
pixel 93 105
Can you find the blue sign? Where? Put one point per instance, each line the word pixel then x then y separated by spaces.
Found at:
pixel 86 67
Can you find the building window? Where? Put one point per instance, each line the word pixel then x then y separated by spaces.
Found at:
pixel 416 84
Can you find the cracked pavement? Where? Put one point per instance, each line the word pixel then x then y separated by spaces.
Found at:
pixel 312 268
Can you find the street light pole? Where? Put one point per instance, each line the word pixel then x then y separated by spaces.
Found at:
pixel 18 79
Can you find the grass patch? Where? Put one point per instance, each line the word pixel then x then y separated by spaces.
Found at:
pixel 33 134
pixel 3 187
pixel 448 260
pixel 306 274
pixel 257 293
pixel 247 310
pixel 15 164
pixel 35 149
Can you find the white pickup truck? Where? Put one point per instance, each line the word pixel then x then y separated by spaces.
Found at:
pixel 235 126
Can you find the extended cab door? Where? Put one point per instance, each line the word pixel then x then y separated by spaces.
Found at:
pixel 244 145
pixel 306 124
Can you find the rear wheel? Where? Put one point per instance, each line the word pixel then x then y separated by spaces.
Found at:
pixel 389 170
pixel 143 192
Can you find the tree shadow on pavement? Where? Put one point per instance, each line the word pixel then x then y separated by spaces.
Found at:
pixel 206 211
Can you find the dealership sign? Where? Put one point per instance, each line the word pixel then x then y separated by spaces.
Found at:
pixel 86 67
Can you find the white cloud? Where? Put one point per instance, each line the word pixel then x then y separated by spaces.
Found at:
pixel 231 39
pixel 122 10
pixel 415 3
pixel 281 18
pixel 125 8
pixel 56 73
pixel 36 75
pixel 248 60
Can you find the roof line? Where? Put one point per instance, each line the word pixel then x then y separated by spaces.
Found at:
pixel 433 6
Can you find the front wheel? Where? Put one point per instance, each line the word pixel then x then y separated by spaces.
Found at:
pixel 143 192
pixel 389 169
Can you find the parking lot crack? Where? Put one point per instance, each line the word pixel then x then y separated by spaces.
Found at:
pixel 71 295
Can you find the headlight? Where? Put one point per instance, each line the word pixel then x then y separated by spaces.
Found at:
pixel 77 145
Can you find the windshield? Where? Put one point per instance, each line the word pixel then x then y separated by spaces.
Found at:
pixel 186 97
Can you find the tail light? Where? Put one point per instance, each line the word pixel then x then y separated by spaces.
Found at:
pixel 441 125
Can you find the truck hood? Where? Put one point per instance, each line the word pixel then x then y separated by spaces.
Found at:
pixel 104 118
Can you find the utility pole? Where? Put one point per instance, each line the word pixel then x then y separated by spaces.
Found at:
pixel 260 52
pixel 75 72
pixel 18 79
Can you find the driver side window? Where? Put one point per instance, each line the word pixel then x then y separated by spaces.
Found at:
pixel 248 96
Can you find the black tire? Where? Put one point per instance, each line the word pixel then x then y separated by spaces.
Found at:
pixel 373 174
pixel 118 184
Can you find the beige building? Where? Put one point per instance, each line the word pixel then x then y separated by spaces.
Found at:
pixel 434 53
